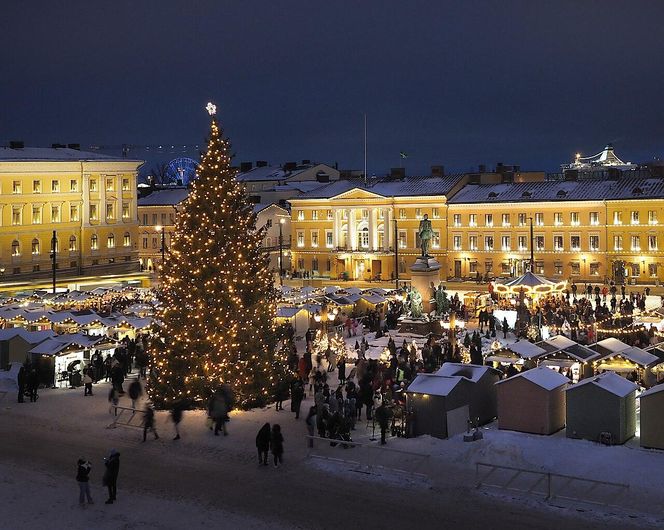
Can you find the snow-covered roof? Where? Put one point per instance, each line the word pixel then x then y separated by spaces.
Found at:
pixel 472 372
pixel 526 349
pixel 372 298
pixel 542 376
pixel 654 390
pixel 611 345
pixel 560 343
pixel 288 312
pixel 58 154
pixel 637 356
pixel 31 337
pixel 165 197
pixel 608 381
pixel 433 384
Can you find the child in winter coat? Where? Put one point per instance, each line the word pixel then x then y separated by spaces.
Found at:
pixel 277 444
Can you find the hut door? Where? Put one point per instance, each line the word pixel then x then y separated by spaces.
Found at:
pixel 457 421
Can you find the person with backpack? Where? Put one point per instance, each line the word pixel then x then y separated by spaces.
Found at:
pixel 83 480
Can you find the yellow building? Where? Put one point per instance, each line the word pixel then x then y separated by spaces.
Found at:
pixel 348 230
pixel 88 199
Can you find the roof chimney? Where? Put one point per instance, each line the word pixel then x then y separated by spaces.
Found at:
pixel 74 146
pixel 261 163
pixel 245 166
pixel 437 171
pixel 397 173
pixel 290 166
pixel 306 162
pixel 58 146
pixel 482 168
pixel 16 144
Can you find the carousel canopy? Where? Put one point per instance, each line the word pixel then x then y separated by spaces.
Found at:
pixel 529 283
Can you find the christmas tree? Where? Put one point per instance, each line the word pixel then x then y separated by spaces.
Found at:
pixel 218 299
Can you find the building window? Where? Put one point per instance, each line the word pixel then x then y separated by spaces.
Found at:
pixel 72 244
pixel 539 267
pixel 636 269
pixel 506 219
pixel 329 238
pixel 435 240
pixel 539 219
pixel 16 215
pixel 456 242
pixel 110 184
pixel 16 186
pixel 505 243
pixel 171 219
pixel 363 238
pixel 522 219
pixel 35 247
pixel 344 214
pixel 558 268
pixel 652 270
pixel 145 242
pixel 403 239
pixel 488 242
pixel 457 219
pixel 314 238
pixel 575 243
pixel 110 241
pixel 126 186
pixel 505 267
pixel 154 218
pixel 93 184
pixel 539 242
pixel 73 185
pixel 36 215
pixel 652 217
pixel 145 219
pixel 472 267
pixel 634 217
pixel 617 243
pixel 594 218
pixel 558 244
pixel 126 240
pixel 594 269
pixel 418 213
pixel 365 213
pixel 314 215
pixel 330 215
pixel 328 265
pixel 472 219
pixel 472 242
pixel 617 218
pixel 94 214
pixel 94 242
pixel 55 186
pixel 574 218
pixel 73 212
pixel 402 213
pixel 314 264
pixel 16 248
pixel 488 267
pixel 36 186
pixel 575 268
pixel 56 216
pixel 300 238
pixel 488 219
pixel 435 213
pixel 522 243
pixel 125 212
pixel 163 219
pixel 558 218
pixel 110 211
pixel 300 215
pixel 402 266
pixel 593 242
pixel 652 242
pixel 636 243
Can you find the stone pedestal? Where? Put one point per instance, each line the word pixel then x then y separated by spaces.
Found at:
pixel 424 272
pixel 418 327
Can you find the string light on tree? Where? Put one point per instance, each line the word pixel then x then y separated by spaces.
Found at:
pixel 218 299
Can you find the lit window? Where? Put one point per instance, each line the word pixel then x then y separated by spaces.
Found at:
pixel 314 238
pixel 435 240
pixel 110 184
pixel 488 219
pixel 72 244
pixel 457 219
pixel 16 186
pixel 506 219
pixel 126 240
pixel 94 242
pixel 472 219
pixel 522 243
pixel 300 215
pixel 594 218
pixel 36 215
pixel 456 242
pixel 558 243
pixel 330 215
pixel 110 241
pixel 73 212
pixel 35 247
pixel 617 243
pixel 617 218
pixel 126 186
pixel 593 242
pixel 435 213
pixel 418 213
pixel 403 239
pixel 365 213
pixel 110 211
pixel 329 239
pixel 574 218
pixel 16 215
pixel 636 243
pixel 314 215
pixel 634 218
pixel 505 243
pixel 36 186
pixel 539 219
pixel 300 238
pixel 402 213
pixel 125 211
pixel 575 243
pixel 652 217
pixel 94 214
pixel 55 214
pixel 522 219
pixel 488 242
pixel 55 186
pixel 539 242
pixel 93 184
pixel 558 219
pixel 575 268
pixel 557 268
pixel 73 185
pixel 472 242
pixel 16 248
pixel 652 242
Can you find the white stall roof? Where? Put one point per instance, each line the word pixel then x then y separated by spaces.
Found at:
pixel 542 376
pixel 432 384
pixel 611 345
pixel 637 356
pixel 526 349
pixel 610 382
pixel 654 390
pixel 560 342
pixel 472 372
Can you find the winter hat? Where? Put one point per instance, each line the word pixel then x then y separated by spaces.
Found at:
pixel 114 452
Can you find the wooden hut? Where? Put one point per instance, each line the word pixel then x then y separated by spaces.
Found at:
pixel 483 400
pixel 439 405
pixel 532 401
pixel 652 417
pixel 602 408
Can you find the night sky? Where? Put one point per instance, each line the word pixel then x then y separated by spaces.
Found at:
pixel 454 83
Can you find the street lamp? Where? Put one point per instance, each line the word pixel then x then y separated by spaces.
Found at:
pixel 162 229
pixel 396 254
pixel 281 252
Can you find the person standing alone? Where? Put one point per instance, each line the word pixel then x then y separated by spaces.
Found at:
pixel 112 464
pixel 83 479
pixel 277 444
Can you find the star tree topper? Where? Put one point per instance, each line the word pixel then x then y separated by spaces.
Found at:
pixel 211 108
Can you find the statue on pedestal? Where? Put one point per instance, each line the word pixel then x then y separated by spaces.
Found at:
pixel 425 234
pixel 414 303
pixel 442 302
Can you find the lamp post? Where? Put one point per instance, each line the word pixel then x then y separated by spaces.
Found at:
pixel 324 315
pixel 281 252
pixel 162 229
pixel 54 257
pixel 396 255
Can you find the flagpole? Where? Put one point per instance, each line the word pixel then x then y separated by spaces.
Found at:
pixel 365 149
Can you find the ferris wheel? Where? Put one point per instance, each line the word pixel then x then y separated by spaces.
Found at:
pixel 182 169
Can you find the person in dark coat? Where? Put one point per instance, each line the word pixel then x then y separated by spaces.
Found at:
pixel 263 443
pixel 112 464
pixel 135 392
pixel 506 327
pixel 20 379
pixel 277 444
pixel 310 420
pixel 33 385
pixel 383 415
pixel 297 397
pixel 341 367
pixel 83 479
pixel 176 417
pixel 149 423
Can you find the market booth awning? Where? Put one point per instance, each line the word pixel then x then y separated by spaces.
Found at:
pixel 529 283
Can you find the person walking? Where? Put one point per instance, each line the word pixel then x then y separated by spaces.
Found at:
pixel 263 443
pixel 219 412
pixel 113 399
pixel 176 417
pixel 83 479
pixel 87 382
pixel 112 463
pixel 135 393
pixel 149 422
pixel 297 397
pixel 277 444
